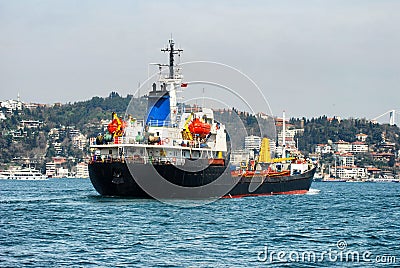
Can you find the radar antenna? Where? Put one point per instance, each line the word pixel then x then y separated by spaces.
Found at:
pixel 172 51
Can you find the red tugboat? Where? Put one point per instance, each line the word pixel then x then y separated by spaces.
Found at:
pixel 174 153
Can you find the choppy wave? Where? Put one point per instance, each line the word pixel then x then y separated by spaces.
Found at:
pixel 66 223
pixel 313 191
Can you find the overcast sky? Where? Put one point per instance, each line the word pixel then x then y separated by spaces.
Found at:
pixel 310 58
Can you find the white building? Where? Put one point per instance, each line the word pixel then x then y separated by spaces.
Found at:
pixel 346 159
pixel 73 132
pixel 79 141
pixel 55 170
pixel 12 105
pixel 104 123
pixel 31 123
pixel 361 137
pixel 323 149
pixel 289 134
pixel 82 170
pixel 57 147
pixel 31 106
pixel 252 142
pixel 359 147
pixel 353 172
pixel 272 147
pixel 2 116
pixel 342 147
pixel 239 156
pixel 290 143
pixel 18 133
pixel 50 169
pixel 54 133
pixel 62 172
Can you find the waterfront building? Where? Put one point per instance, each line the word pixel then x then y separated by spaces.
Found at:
pixel 50 169
pixel 82 170
pixel 238 157
pixel 353 172
pixel 252 142
pixel 62 172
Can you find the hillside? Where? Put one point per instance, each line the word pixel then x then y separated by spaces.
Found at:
pixel 322 130
pixel 63 130
pixel 20 141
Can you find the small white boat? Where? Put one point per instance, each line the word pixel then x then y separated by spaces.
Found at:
pixel 384 180
pixel 22 174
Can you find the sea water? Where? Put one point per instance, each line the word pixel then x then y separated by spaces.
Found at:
pixel 64 222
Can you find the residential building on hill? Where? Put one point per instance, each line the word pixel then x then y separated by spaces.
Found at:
pixel 359 147
pixel 346 159
pixel 361 137
pixel 342 147
pixel 323 149
pixel 252 142
pixel 79 141
pixel 12 105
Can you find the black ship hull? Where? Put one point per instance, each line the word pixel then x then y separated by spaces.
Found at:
pixel 168 181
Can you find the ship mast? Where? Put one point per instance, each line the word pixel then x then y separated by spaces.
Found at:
pixel 172 51
pixel 172 81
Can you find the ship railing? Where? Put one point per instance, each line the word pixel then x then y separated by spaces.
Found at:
pixel 124 140
pixel 155 160
pixel 105 159
pixel 119 140
pixel 167 160
pixel 138 159
pixel 161 123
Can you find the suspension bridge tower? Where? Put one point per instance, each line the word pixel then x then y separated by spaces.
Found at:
pixel 392 116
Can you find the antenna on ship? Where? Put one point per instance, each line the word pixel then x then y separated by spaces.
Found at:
pixel 160 65
pixel 173 82
pixel 172 51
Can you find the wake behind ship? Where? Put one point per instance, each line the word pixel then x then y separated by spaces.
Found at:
pixel 176 152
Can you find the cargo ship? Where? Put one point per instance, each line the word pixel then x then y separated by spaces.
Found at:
pixel 177 152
